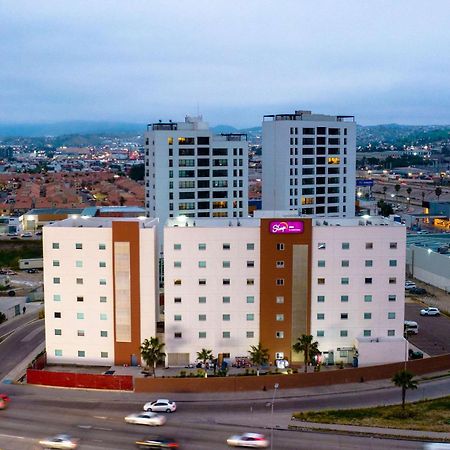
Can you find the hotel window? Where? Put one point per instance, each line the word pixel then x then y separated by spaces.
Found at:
pixel 345 245
pixel 392 280
pixel 202 334
pixel 226 264
pixel 368 263
pixel 103 354
pixel 226 335
pixel 102 246
pixel 55 263
pixel 103 316
pixel 320 316
pixel 55 245
pixel 177 246
pixel 80 299
pixel 78 246
pixel 58 352
pixel 321 246
pixel 56 297
pixel 344 298
pixel 251 282
pixel 202 299
pixel 320 333
pixel 78 263
pixel 344 316
pixel 392 297
pixel 279 334
pixel 177 282
pixel 177 317
pixel 58 332
pixel 321 263
pixel 344 280
pixel 202 317
pixel 320 298
pixel 280 246
pixel 177 300
pixel 250 263
pixel 367 333
pixel 202 246
pixel 367 280
pixel 367 315
pixel 280 264
pixel 80 333
pixel 250 299
pixel 226 299
pixel 250 246
pixel 56 280
pixel 81 353
pixel 102 264
pixel 393 245
pixel 226 317
pixel 226 281
pixel 391 333
pixel 226 247
pixel 367 298
pixel 320 280
pixel 392 263
pixel 391 315
pixel 279 317
pixel 102 282
pixel 202 264
pixel 202 281
pixel 280 282
pixel 343 333
pixel 103 333
pixel 250 334
pixel 177 264
pixel 250 317
pixel 345 263
pixel 57 315
pixel 369 245
pixel 279 299
pixel 102 299
pixel 80 316
pixel 177 335
pixel 79 280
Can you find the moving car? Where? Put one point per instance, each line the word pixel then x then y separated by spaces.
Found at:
pixel 161 405
pixel 146 418
pixel 157 442
pixel 252 440
pixel 60 441
pixel 4 401
pixel 430 311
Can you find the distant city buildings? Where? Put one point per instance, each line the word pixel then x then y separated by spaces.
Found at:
pixel 308 164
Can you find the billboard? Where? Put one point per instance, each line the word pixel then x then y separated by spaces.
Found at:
pixel 364 182
pixel 286 226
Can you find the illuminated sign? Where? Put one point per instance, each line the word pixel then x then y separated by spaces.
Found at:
pixel 286 227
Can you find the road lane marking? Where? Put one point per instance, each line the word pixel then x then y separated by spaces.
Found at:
pixel 100 417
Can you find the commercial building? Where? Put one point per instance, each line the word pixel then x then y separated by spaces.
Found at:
pixel 192 172
pixel 100 289
pixel 308 164
pixel 230 284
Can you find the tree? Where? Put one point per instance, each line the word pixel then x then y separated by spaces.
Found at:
pixel 404 380
pixel 438 192
pixel 408 191
pixel 258 356
pixel 385 208
pixel 423 196
pixel 309 348
pixel 204 356
pixel 137 172
pixel 152 353
pixel 384 191
pixel 397 188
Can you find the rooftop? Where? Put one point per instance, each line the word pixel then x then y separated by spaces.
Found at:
pixel 308 116
pixel 102 222
pixel 206 222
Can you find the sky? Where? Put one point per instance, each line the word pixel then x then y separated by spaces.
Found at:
pixel 384 61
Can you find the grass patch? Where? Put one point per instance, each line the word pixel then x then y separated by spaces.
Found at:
pixel 12 251
pixel 427 415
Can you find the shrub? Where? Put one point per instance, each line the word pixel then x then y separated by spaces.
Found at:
pixel 182 373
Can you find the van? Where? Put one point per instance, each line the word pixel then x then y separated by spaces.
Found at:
pixel 411 327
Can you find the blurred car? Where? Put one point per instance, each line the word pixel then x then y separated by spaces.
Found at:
pixel 4 401
pixel 252 440
pixel 60 441
pixel 409 284
pixel 32 271
pixel 430 311
pixel 417 291
pixel 146 418
pixel 38 233
pixel 12 234
pixel 157 442
pixel 415 354
pixel 161 405
pixel 26 235
pixel 437 446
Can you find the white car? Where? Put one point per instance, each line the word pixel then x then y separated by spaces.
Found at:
pixel 410 285
pixel 146 418
pixel 27 235
pixel 252 440
pixel 161 405
pixel 60 441
pixel 430 311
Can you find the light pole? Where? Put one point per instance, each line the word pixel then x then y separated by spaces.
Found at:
pixel 275 387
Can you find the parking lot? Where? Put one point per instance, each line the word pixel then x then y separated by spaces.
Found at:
pixel 434 331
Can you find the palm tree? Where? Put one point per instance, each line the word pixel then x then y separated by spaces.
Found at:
pixel 423 196
pixel 404 380
pixel 384 191
pixel 258 356
pixel 409 190
pixel 438 192
pixel 397 188
pixel 309 348
pixel 204 356
pixel 152 353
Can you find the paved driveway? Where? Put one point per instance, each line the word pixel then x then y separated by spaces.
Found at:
pixel 434 331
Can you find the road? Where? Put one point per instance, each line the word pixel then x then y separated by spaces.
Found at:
pixel 434 331
pixel 97 418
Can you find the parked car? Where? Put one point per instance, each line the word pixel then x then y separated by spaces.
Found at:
pixel 414 354
pixel 38 233
pixel 4 401
pixel 417 291
pixel 253 440
pixel 146 418
pixel 27 235
pixel 32 271
pixel 161 405
pixel 430 311
pixel 157 442
pixel 60 441
pixel 409 284
pixel 411 327
pixel 12 234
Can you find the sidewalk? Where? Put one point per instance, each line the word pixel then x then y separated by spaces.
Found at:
pixel 32 312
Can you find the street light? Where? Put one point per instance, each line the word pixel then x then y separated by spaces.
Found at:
pixel 275 387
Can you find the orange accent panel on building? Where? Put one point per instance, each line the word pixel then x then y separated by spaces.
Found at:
pixel 285 274
pixel 124 351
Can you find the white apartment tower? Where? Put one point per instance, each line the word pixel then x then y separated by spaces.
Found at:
pixel 192 172
pixel 309 164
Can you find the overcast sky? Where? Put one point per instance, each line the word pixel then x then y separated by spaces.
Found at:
pixel 383 61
